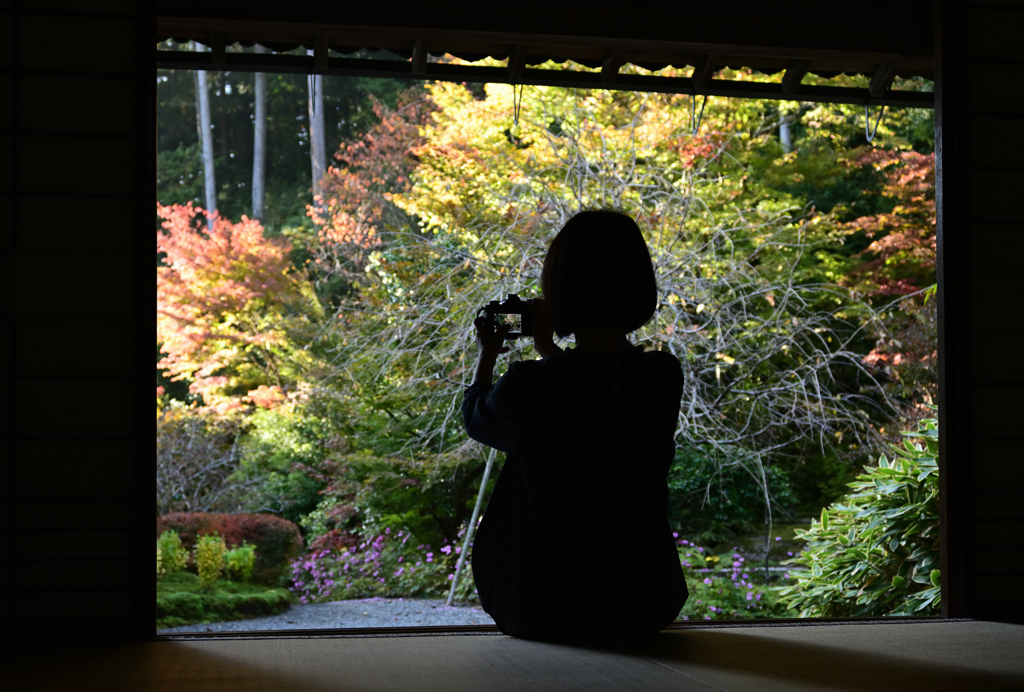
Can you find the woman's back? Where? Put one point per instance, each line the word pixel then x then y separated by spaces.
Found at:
pixel 576 529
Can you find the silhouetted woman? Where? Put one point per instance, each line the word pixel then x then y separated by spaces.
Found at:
pixel 575 541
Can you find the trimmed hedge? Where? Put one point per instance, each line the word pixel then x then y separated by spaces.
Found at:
pixel 277 540
pixel 182 600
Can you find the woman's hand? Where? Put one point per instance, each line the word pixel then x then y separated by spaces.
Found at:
pixel 543 332
pixel 491 343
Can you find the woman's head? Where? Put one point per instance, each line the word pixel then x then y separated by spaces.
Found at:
pixel 598 275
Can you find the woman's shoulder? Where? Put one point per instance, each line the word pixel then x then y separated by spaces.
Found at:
pixel 662 359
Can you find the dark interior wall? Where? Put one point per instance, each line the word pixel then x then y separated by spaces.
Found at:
pixel 76 218
pixel 76 314
pixel 983 60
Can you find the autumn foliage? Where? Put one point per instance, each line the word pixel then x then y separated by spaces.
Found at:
pixel 277 541
pixel 355 205
pixel 226 298
pixel 901 257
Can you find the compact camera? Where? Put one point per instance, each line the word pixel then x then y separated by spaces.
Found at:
pixel 516 313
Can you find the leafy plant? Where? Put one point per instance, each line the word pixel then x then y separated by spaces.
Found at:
pixel 239 562
pixel 277 541
pixel 225 299
pixel 196 456
pixel 388 564
pixel 171 557
pixel 209 557
pixel 876 552
pixel 722 588
pixel 712 502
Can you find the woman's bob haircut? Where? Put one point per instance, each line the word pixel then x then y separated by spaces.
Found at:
pixel 598 275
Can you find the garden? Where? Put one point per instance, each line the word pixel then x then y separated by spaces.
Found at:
pixel 313 334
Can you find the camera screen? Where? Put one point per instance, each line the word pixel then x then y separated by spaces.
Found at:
pixel 513 320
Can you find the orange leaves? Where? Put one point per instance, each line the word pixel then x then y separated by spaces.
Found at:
pixel 356 205
pixel 901 257
pixel 698 148
pixel 220 294
pixel 267 397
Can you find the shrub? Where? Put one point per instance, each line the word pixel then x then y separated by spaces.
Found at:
pixel 277 541
pixel 383 565
pixel 876 552
pixel 209 557
pixel 194 459
pixel 240 562
pixel 171 557
pixel 722 588
pixel 181 599
pixel 713 503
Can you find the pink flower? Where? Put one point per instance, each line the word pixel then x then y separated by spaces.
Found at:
pixel 447 549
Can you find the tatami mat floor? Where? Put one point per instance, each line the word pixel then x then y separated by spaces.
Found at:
pixel 936 655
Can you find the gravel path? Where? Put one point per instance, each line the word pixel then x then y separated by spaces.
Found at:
pixel 367 612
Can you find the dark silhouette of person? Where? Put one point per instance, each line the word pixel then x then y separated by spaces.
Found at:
pixel 575 541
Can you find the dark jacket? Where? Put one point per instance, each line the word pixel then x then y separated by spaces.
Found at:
pixel 575 538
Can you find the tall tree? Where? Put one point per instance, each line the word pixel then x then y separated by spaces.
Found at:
pixel 206 140
pixel 231 315
pixel 317 135
pixel 259 150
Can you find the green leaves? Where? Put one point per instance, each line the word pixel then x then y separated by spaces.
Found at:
pixel 877 551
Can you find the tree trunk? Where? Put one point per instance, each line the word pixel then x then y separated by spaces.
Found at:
pixel 786 137
pixel 317 136
pixel 206 141
pixel 259 157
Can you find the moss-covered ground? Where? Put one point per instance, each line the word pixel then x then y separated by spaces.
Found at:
pixel 182 600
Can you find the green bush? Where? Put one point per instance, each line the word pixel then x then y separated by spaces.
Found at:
pixel 876 552
pixel 171 557
pixel 183 600
pixel 276 540
pixel 209 557
pixel 724 587
pixel 239 562
pixel 713 503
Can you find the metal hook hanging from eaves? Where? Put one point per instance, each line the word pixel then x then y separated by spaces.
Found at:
pixel 870 132
pixel 694 117
pixel 517 103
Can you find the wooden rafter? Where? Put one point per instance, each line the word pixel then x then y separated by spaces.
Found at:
pixel 524 50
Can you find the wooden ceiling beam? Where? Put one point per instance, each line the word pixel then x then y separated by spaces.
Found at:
pixel 704 70
pixel 403 69
pixel 881 80
pixel 497 43
pixel 516 62
pixel 419 57
pixel 611 66
pixel 321 53
pixel 794 74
